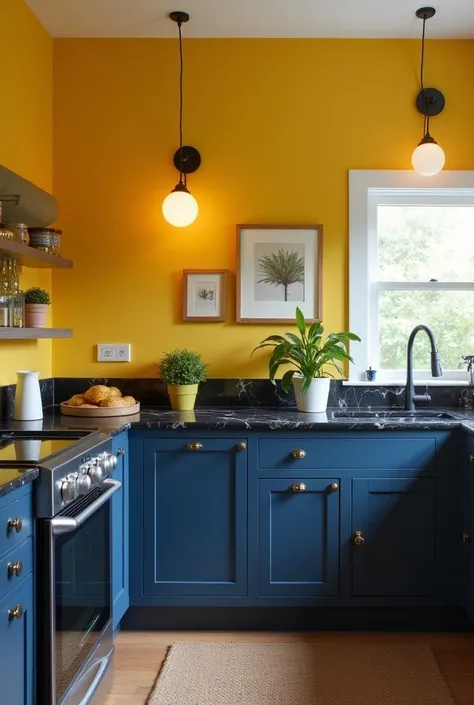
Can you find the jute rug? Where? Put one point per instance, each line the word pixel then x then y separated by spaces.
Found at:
pixel 300 674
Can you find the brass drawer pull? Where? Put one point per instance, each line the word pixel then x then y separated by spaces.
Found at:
pixel 334 487
pixel 15 524
pixel 298 487
pixel 15 613
pixel 359 539
pixel 241 446
pixel 298 454
pixel 15 569
pixel 121 451
pixel 194 446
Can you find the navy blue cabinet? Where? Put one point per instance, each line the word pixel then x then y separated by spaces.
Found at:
pixel 394 537
pixel 17 645
pixel 120 528
pixel 194 503
pixel 468 534
pixel 298 537
pixel 295 518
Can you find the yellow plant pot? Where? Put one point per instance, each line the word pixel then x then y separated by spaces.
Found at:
pixel 182 396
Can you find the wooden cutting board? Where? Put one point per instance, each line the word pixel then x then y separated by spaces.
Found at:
pixel 100 411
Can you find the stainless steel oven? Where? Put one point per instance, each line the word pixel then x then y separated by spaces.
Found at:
pixel 75 610
pixel 74 648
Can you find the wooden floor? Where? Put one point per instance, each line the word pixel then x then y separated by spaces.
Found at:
pixel 139 655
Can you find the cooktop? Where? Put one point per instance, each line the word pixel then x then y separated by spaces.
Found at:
pixel 16 449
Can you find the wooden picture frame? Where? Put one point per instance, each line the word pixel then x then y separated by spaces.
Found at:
pixel 205 295
pixel 263 250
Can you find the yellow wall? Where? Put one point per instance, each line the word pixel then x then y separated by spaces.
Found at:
pixel 278 124
pixel 26 145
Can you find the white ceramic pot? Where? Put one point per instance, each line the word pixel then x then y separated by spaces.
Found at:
pixel 316 399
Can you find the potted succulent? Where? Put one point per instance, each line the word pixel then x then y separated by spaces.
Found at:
pixel 37 301
pixel 182 370
pixel 310 356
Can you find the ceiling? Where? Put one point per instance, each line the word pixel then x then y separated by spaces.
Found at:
pixel 253 18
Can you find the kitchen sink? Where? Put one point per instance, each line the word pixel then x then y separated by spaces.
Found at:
pixel 417 414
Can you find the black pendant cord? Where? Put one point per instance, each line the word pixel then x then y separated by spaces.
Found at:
pixel 180 106
pixel 426 122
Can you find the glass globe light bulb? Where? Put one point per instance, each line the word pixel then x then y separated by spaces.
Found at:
pixel 180 208
pixel 428 158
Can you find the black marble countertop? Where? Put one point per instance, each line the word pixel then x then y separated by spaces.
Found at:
pixel 258 418
pixel 13 478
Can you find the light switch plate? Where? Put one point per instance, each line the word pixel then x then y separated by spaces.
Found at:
pixel 114 352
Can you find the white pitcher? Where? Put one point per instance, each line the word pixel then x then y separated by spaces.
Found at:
pixel 27 405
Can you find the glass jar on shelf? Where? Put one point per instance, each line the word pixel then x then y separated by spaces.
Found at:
pixel 5 232
pixel 20 232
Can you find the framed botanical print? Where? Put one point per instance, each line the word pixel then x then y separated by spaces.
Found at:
pixel 204 294
pixel 279 267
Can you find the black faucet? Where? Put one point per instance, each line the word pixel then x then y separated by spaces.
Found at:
pixel 410 397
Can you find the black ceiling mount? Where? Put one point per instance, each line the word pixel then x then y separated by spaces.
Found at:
pixel 430 101
pixel 191 160
pixel 179 17
pixel 425 13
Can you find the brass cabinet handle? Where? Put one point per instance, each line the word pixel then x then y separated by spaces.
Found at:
pixel 466 537
pixel 359 539
pixel 334 487
pixel 241 446
pixel 298 487
pixel 471 458
pixel 15 613
pixel 298 454
pixel 194 446
pixel 15 569
pixel 121 451
pixel 15 524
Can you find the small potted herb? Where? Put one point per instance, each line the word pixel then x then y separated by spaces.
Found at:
pixel 37 301
pixel 182 370
pixel 310 356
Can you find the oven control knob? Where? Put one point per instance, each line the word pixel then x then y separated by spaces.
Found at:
pixel 69 489
pixel 84 483
pixel 113 461
pixel 106 462
pixel 95 472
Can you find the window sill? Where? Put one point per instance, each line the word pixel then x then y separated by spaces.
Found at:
pixel 433 382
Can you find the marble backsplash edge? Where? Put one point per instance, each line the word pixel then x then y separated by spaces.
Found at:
pixel 238 393
pixel 260 393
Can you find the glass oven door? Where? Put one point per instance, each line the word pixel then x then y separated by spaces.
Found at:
pixel 80 591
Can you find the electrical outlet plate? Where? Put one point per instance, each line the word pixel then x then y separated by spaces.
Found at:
pixel 114 352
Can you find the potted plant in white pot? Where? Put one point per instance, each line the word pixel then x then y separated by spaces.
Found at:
pixel 182 370
pixel 310 356
pixel 37 301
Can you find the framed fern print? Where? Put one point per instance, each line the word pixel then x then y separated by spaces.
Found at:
pixel 204 294
pixel 279 267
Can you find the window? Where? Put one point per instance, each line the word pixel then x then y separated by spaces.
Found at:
pixel 411 262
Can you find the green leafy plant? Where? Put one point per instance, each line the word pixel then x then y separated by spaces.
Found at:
pixel 282 268
pixel 308 353
pixel 182 367
pixel 36 295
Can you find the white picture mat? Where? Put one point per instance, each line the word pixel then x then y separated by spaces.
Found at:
pixel 203 281
pixel 249 307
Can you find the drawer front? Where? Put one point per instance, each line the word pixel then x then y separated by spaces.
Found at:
pixel 302 453
pixel 16 565
pixel 16 523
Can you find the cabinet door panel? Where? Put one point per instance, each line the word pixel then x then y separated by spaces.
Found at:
pixel 398 521
pixel 195 518
pixel 17 647
pixel 120 531
pixel 298 538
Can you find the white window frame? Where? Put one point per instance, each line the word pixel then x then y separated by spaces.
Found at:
pixel 367 189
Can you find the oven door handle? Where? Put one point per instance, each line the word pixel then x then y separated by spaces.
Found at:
pixel 64 525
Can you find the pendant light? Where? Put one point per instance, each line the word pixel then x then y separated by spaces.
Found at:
pixel 180 208
pixel 428 158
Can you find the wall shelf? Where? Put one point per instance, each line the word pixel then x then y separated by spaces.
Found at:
pixel 34 333
pixel 30 257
